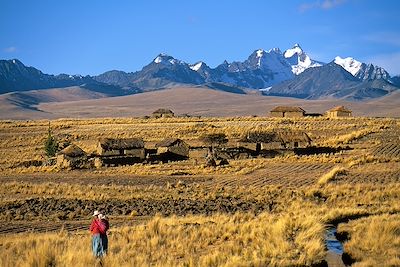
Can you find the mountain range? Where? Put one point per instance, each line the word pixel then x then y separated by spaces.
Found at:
pixel 273 72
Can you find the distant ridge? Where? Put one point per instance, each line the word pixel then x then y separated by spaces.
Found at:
pixel 273 72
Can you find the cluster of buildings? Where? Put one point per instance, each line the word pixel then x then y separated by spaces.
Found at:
pixel 128 151
pixel 114 152
pixel 296 112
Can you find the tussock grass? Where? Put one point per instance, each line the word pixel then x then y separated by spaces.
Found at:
pixel 374 241
pixel 26 139
pixel 220 240
pixel 326 178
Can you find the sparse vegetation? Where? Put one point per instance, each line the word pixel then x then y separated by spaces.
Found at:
pixel 254 211
pixel 51 145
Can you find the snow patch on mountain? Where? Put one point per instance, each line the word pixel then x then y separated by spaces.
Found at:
pixel 299 60
pixel 166 60
pixel 295 50
pixel 350 64
pixel 197 66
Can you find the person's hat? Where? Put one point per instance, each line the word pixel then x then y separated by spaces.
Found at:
pixel 96 213
pixel 102 216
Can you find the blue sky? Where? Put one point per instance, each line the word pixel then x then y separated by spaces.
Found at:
pixel 94 36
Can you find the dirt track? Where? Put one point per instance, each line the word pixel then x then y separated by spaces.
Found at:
pixel 68 225
pixel 88 178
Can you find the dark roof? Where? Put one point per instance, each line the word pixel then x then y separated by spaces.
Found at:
pixel 169 142
pixel 163 111
pixel 287 109
pixel 294 137
pixel 72 151
pixel 128 143
pixel 340 108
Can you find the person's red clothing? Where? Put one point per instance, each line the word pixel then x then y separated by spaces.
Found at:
pixel 98 227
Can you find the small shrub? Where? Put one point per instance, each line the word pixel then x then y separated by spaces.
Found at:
pixel 51 145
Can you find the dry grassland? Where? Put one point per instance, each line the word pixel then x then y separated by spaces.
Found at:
pixel 252 212
pixel 373 241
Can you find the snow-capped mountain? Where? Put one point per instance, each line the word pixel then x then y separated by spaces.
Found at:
pixel 291 73
pixel 361 70
pixel 260 70
pixel 350 64
pixel 202 69
pixel 15 76
pixel 299 60
pixel 167 60
pixel 331 80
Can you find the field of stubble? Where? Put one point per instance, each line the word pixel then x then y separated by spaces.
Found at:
pixel 252 212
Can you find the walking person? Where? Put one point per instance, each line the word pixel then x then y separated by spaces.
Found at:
pixel 97 228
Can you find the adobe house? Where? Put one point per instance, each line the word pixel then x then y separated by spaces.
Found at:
pixel 163 113
pixel 198 154
pixel 258 141
pixel 339 111
pixel 294 139
pixel 287 112
pixel 172 149
pixel 71 157
pixel 132 147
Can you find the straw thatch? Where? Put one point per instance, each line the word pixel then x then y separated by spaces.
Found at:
pixel 339 111
pixel 174 147
pixel 288 109
pixel 72 151
pixel 289 137
pixel 115 144
pixel 163 112
pixel 167 142
pixel 274 140
pixel 340 108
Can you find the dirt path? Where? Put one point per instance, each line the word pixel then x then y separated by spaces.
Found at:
pixel 70 226
pixel 334 260
pixel 87 178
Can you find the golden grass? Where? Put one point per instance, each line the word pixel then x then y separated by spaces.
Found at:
pixel 290 234
pixel 23 141
pixel 219 240
pixel 374 241
pixel 329 176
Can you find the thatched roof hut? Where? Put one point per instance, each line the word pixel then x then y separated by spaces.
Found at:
pixel 173 146
pixel 163 113
pixel 275 140
pixel 127 143
pixel 339 111
pixel 292 137
pixel 287 112
pixel 72 151
pixel 119 147
pixel 71 157
pixel 169 142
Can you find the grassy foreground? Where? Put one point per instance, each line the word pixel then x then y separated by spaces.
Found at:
pixel 219 240
pixel 253 212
